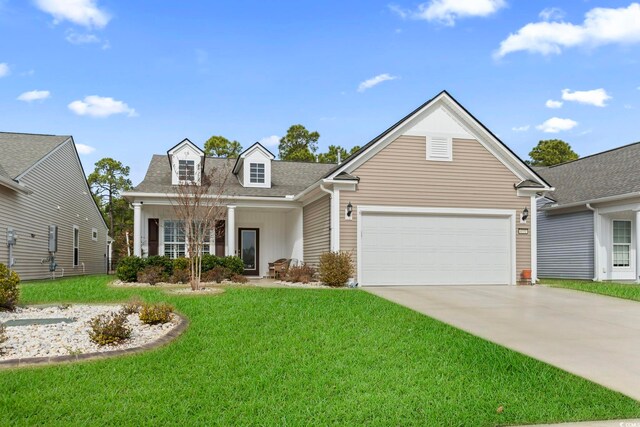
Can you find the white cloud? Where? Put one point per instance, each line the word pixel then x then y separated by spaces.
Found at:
pixel 77 38
pixel 556 124
pixel 34 95
pixel 99 106
pixel 551 14
pixel 84 149
pixel 448 11
pixel 596 97
pixel 553 104
pixel 374 81
pixel 82 12
pixel 601 26
pixel 270 141
pixel 4 69
pixel 521 128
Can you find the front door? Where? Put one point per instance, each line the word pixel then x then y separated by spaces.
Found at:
pixel 153 236
pixel 249 249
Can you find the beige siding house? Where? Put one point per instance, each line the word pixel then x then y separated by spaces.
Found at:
pixel 436 199
pixel 42 184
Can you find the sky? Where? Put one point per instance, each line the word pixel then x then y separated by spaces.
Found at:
pixel 132 78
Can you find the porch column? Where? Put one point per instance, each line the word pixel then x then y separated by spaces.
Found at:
pixel 231 230
pixel 137 228
pixel 534 239
pixel 637 228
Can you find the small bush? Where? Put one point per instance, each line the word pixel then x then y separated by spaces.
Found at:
pixel 153 314
pixel 336 268
pixel 180 264
pixel 180 275
pixel 209 262
pixel 133 305
pixel 151 275
pixel 109 329
pixel 239 278
pixel 164 262
pixel 128 268
pixel 233 263
pixel 301 273
pixel 217 274
pixel 9 290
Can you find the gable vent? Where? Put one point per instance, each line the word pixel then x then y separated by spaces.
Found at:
pixel 439 148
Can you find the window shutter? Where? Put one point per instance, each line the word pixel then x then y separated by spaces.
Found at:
pixel 439 148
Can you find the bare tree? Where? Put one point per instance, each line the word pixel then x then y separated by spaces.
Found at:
pixel 199 202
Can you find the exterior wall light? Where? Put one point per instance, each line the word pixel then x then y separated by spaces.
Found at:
pixel 525 215
pixel 349 211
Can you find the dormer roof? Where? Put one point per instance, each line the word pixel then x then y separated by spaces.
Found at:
pixel 255 147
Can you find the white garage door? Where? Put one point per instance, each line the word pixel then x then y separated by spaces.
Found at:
pixel 435 249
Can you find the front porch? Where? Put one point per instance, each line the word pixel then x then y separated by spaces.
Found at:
pixel 617 234
pixel 258 233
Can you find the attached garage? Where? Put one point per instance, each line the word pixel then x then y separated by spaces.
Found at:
pixel 399 246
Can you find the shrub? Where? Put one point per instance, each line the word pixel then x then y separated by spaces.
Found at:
pixel 301 273
pixel 153 314
pixel 164 262
pixel 109 329
pixel 128 268
pixel 239 278
pixel 209 262
pixel 9 290
pixel 180 275
pixel 217 274
pixel 336 268
pixel 180 264
pixel 133 305
pixel 151 275
pixel 233 263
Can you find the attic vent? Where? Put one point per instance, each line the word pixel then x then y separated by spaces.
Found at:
pixel 439 148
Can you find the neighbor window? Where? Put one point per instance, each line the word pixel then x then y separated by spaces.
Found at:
pixel 621 243
pixel 174 239
pixel 94 234
pixel 256 171
pixel 76 246
pixel 186 170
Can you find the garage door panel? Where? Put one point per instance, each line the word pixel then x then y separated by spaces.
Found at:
pixel 435 249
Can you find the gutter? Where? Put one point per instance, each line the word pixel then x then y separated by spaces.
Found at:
pixel 287 198
pixel 14 185
pixel 588 202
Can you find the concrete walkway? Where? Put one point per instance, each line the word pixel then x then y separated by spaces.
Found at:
pixel 596 337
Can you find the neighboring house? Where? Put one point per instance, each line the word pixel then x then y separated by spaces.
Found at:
pixel 42 184
pixel 588 227
pixel 436 199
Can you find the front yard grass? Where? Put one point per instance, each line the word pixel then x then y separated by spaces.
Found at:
pixel 621 290
pixel 254 356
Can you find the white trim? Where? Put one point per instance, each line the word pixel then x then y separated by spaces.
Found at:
pixel 182 143
pixel 637 238
pixel 162 196
pixel 509 213
pixel 137 228
pixel 619 208
pixel 534 239
pixel 335 219
pixel 14 185
pixel 591 201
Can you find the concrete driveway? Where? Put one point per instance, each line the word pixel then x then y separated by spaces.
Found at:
pixel 596 337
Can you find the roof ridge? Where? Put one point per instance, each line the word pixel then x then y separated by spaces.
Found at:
pixel 594 154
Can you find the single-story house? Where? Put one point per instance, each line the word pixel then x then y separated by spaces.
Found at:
pixel 588 228
pixel 436 199
pixel 46 209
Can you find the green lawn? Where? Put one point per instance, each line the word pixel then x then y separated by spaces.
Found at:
pixel 298 357
pixel 620 290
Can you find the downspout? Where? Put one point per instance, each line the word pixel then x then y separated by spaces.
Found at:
pixel 595 242
pixel 331 220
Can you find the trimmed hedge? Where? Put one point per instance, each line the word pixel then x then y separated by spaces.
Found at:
pixel 129 267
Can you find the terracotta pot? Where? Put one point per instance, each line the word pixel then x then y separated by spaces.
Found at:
pixel 526 274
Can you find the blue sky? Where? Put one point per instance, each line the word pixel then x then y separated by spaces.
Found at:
pixel 129 79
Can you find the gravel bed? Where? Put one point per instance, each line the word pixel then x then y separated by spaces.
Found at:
pixel 63 339
pixel 310 285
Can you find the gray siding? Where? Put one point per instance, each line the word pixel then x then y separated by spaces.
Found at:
pixel 565 245
pixel 316 230
pixel 60 197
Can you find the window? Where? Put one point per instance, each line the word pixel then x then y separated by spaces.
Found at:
pixel 621 243
pixel 174 239
pixel 256 173
pixel 94 234
pixel 76 246
pixel 439 148
pixel 186 170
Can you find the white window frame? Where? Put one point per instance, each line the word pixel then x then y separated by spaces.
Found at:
pixel 94 234
pixel 257 173
pixel 188 163
pixel 614 244
pixel 171 248
pixel 75 244
pixel 429 143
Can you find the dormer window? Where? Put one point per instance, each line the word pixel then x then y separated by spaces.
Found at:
pixel 256 173
pixel 186 170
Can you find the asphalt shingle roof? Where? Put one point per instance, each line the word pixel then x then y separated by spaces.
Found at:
pixel 20 151
pixel 287 178
pixel 611 173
